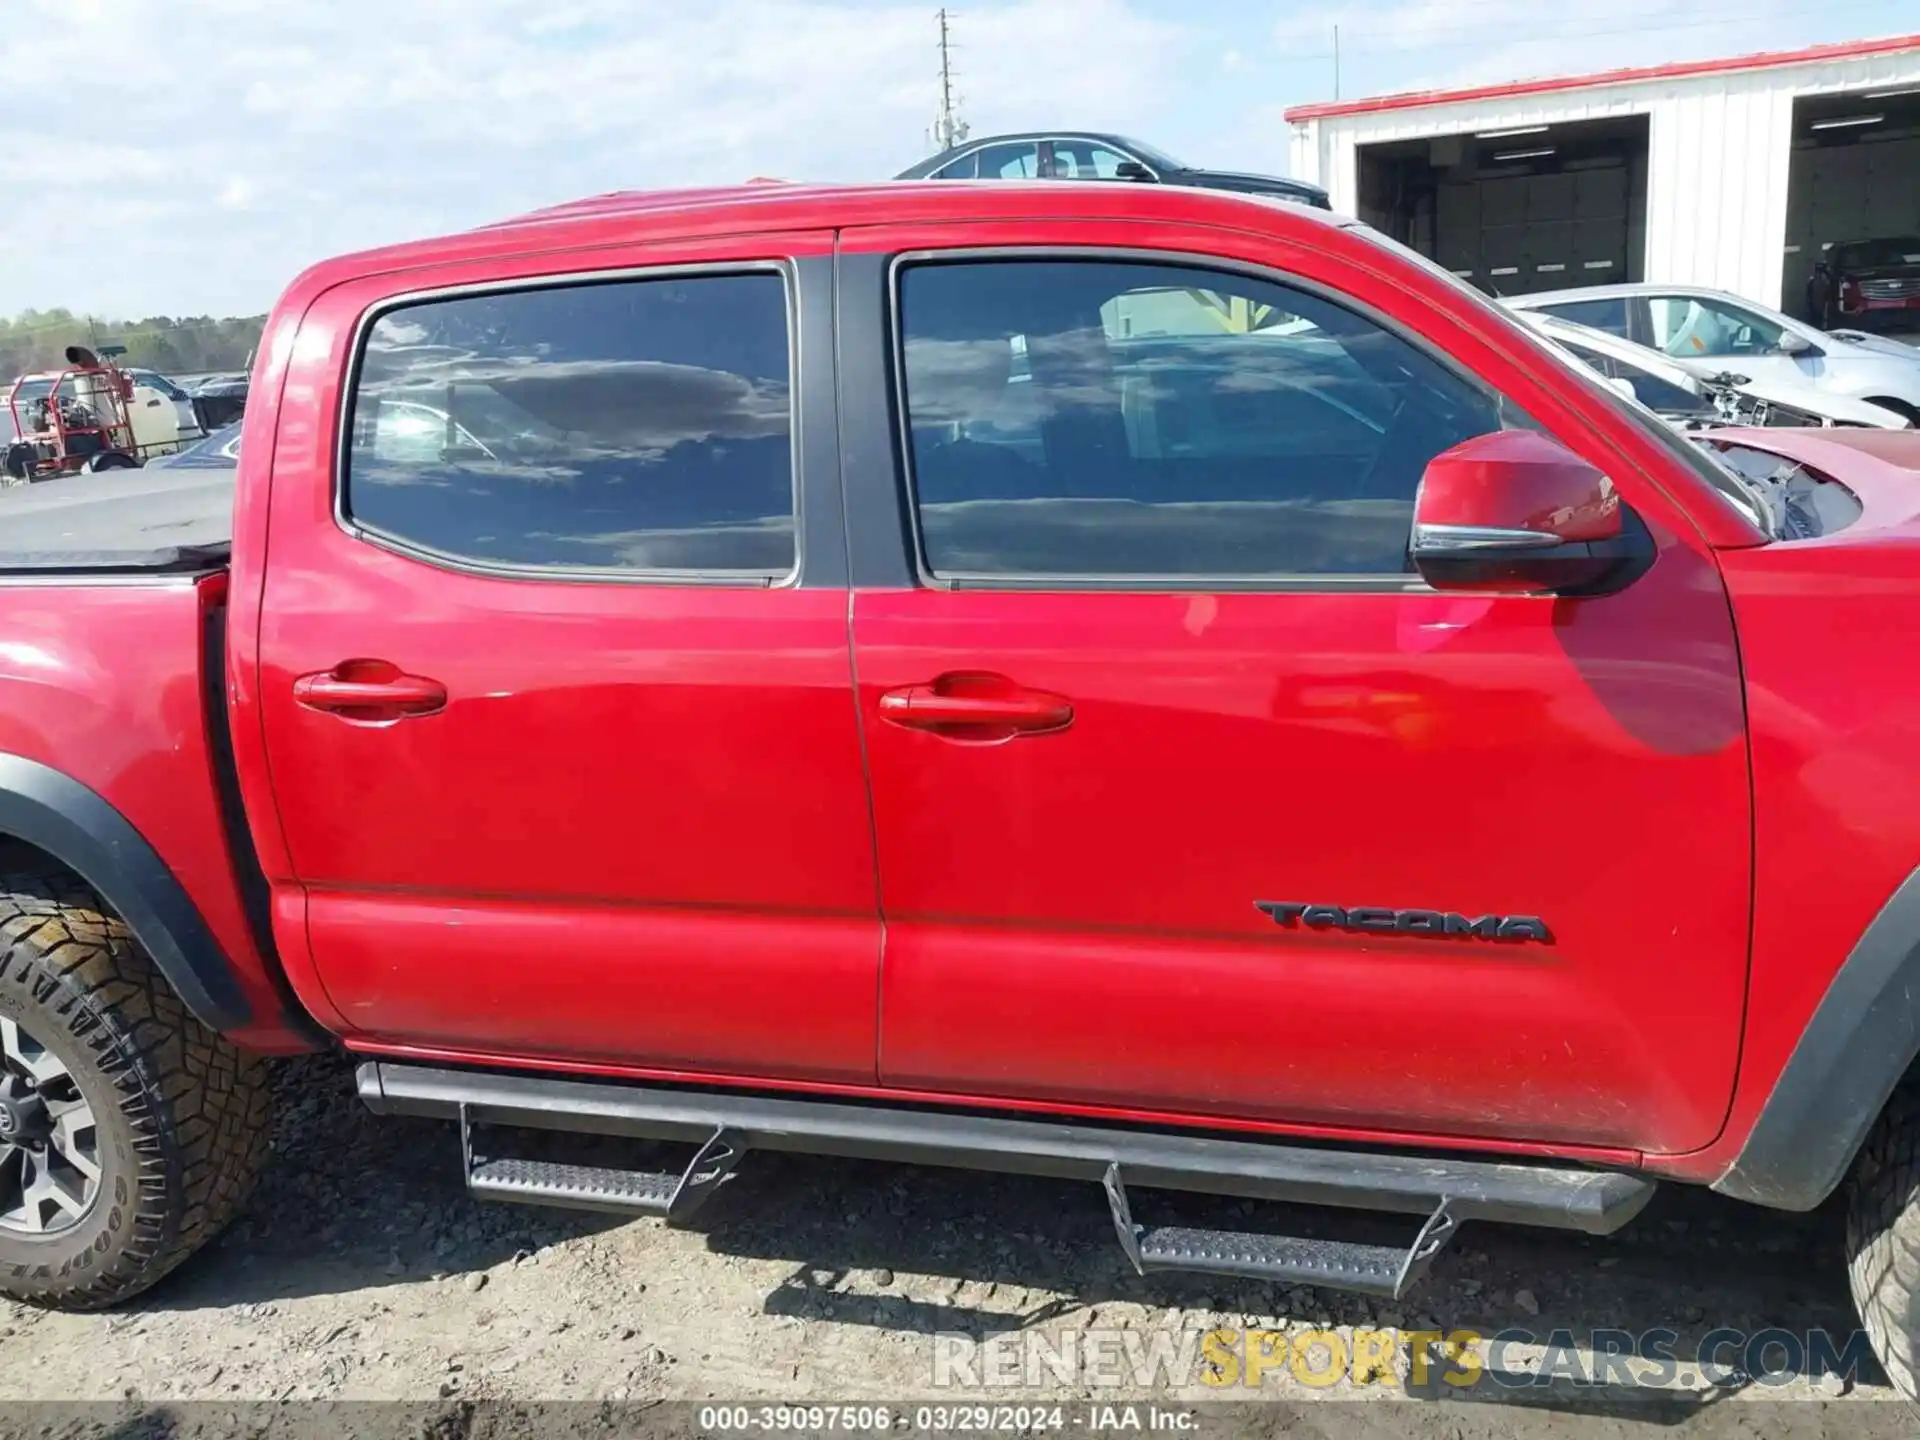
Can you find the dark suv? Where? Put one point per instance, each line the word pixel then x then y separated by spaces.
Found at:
pixel 1867 284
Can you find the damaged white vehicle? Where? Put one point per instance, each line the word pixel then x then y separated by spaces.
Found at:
pixel 1693 394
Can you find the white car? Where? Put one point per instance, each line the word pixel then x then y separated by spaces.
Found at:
pixel 1693 393
pixel 1690 323
pixel 185 421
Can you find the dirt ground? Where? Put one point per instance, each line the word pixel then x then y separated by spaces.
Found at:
pixel 362 1271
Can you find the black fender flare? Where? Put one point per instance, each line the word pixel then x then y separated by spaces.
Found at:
pixel 54 812
pixel 1863 1036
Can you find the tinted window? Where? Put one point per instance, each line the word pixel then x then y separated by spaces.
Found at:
pixel 1607 315
pixel 1086 418
pixel 637 425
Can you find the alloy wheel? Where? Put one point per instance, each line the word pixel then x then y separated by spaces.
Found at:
pixel 49 1143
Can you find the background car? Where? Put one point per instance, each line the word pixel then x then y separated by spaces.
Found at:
pixel 1696 393
pixel 186 421
pixel 1073 155
pixel 1693 323
pixel 220 400
pixel 1867 282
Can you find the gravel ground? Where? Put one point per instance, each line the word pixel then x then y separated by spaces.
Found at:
pixel 362 1271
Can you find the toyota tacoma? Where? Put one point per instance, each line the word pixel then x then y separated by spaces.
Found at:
pixel 1132 684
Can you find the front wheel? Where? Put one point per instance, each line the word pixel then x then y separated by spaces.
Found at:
pixel 130 1134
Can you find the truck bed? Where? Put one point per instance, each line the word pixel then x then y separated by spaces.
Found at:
pixel 157 519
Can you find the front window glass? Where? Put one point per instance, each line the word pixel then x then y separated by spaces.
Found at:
pixel 1117 419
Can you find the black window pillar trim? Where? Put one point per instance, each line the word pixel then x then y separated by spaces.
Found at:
pixel 820 531
pixel 881 549
pixel 54 812
pixel 1855 1050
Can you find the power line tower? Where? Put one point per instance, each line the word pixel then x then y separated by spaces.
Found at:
pixel 948 128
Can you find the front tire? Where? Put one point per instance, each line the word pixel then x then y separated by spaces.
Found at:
pixel 130 1133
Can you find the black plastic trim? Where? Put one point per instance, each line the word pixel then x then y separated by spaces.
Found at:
pixel 1575 568
pixel 256 898
pixel 1863 1036
pixel 1597 1202
pixel 820 531
pixel 880 543
pixel 75 825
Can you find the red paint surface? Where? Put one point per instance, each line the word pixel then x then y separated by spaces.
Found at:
pixel 1071 915
pixel 1678 70
pixel 1835 730
pixel 1519 480
pixel 103 683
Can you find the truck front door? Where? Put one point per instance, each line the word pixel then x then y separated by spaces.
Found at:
pixel 554 670
pixel 1192 798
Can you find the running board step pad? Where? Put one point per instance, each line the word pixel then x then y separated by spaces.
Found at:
pixel 600 1187
pixel 1380 1270
pixel 1370 1269
pixel 578 1187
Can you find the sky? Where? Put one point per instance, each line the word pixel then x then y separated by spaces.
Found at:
pixel 240 140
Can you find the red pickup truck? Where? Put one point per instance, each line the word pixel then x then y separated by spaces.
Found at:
pixel 1130 684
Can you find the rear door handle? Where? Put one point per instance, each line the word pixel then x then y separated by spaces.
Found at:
pixel 369 690
pixel 969 706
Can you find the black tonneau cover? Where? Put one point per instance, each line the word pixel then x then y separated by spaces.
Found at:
pixel 118 521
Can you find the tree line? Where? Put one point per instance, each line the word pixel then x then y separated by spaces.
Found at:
pixel 188 345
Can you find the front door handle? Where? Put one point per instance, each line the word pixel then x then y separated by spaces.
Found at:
pixel 369 690
pixel 970 706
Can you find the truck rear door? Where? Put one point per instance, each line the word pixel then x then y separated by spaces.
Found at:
pixel 1190 796
pixel 554 664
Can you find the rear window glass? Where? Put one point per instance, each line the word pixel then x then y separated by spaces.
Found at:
pixel 626 426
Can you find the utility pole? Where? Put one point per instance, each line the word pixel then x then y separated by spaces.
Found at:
pixel 948 128
pixel 1336 62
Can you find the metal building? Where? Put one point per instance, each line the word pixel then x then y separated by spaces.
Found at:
pixel 1734 173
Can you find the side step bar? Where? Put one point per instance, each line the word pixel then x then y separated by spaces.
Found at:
pixel 1446 1191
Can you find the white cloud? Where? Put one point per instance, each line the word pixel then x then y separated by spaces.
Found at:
pixel 261 137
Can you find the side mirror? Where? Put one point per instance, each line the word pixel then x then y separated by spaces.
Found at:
pixel 1517 511
pixel 1132 170
pixel 1622 385
pixel 1792 344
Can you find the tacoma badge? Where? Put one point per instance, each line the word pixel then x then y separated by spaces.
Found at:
pixel 1379 920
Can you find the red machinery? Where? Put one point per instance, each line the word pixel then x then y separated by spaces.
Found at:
pixel 81 422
